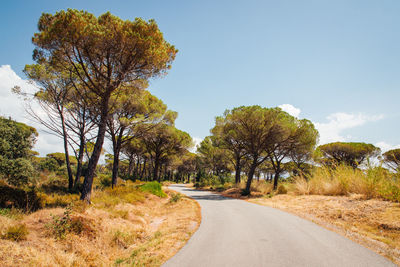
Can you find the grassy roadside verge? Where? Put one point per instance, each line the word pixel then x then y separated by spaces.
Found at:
pixel 127 226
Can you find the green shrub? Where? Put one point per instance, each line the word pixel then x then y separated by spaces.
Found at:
pixel 48 164
pixel 175 197
pixel 19 171
pixel 17 233
pixel 153 188
pixel 105 181
pixel 60 225
pixel 62 170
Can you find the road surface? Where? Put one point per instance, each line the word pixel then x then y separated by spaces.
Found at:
pixel 237 233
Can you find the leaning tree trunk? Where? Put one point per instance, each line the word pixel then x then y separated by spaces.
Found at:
pixel 94 159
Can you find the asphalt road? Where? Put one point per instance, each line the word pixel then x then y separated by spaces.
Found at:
pixel 237 233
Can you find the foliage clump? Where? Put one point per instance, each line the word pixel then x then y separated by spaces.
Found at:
pixel 16 142
pixel 62 225
pixel 16 232
pixel 350 153
pixel 175 197
pixel 153 188
pixel 281 189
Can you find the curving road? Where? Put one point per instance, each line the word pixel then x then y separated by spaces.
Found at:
pixel 237 233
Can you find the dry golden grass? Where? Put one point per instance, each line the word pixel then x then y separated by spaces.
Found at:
pixel 343 180
pixel 134 228
pixel 373 223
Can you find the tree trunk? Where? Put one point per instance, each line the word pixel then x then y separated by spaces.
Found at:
pixel 155 170
pixel 250 176
pixel 80 159
pixel 136 170
pixel 143 170
pixel 277 173
pixel 131 165
pixel 115 168
pixel 238 169
pixel 67 162
pixel 117 144
pixel 94 159
pixel 276 177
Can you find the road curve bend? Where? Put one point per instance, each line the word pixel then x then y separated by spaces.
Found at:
pixel 238 233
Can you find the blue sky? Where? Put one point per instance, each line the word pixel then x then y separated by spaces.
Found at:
pixel 337 62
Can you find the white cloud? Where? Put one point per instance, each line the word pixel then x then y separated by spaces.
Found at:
pixel 196 141
pixel 290 109
pixel 385 146
pixel 332 131
pixel 12 106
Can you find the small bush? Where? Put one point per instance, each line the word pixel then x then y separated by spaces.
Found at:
pixel 48 164
pixel 16 233
pixel 19 171
pixel 123 239
pixel 105 181
pixel 153 188
pixel 281 189
pixel 62 170
pixel 175 197
pixel 60 226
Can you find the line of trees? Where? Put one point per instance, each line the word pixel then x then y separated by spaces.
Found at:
pixel 92 74
pixel 255 139
pixel 252 141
